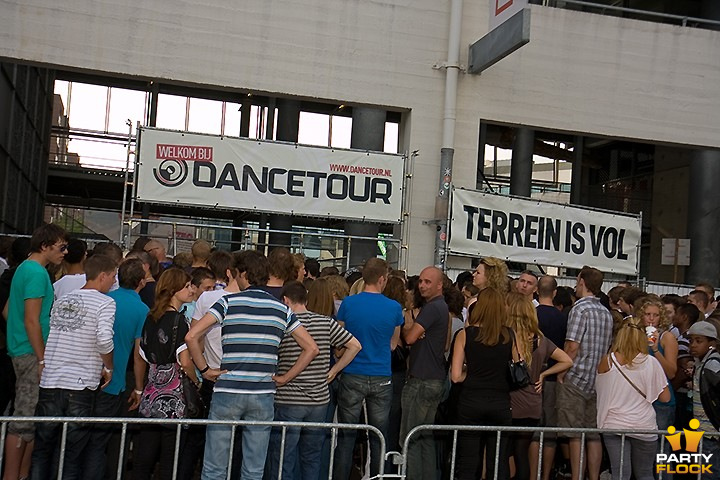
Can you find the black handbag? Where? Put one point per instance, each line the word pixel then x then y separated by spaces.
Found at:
pixel 194 405
pixel 518 373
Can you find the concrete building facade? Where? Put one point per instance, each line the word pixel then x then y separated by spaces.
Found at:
pixel 581 73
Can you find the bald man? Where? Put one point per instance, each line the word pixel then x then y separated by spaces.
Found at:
pixel 424 388
pixel 157 250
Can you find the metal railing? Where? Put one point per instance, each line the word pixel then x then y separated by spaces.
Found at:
pixel 658 288
pixel 250 239
pixel 179 424
pixel 542 431
pixel 401 457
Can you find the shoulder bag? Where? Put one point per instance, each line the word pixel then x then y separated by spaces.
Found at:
pixel 610 356
pixel 518 373
pixel 194 405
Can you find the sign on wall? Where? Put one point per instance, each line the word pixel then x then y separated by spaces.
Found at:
pixel 502 10
pixel 237 173
pixel 530 231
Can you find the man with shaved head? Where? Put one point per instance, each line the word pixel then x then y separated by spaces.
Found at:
pixel 157 250
pixel 423 391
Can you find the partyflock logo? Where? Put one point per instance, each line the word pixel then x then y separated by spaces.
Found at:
pixel 689 462
pixel 173 170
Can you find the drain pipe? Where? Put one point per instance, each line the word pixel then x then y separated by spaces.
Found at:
pixel 452 71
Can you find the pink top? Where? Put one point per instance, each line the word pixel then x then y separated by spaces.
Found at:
pixel 619 405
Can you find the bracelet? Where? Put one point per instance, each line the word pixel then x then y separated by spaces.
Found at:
pixel 41 362
pixel 207 367
pixel 109 370
pixel 138 392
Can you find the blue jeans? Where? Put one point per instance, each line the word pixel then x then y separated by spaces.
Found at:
pixel 329 418
pixel 106 405
pixel 420 400
pixel 255 439
pixel 55 402
pixel 302 446
pixel 377 393
pixel 638 457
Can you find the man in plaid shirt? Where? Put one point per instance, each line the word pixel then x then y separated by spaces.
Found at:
pixel 589 333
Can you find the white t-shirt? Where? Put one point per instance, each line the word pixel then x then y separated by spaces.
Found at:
pixel 81 329
pixel 68 283
pixel 213 337
pixel 620 406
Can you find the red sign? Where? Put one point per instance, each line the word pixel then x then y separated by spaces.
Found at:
pixel 501 5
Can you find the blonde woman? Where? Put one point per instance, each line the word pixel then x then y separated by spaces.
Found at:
pixel 628 382
pixel 526 403
pixel 340 289
pixel 662 345
pixel 493 273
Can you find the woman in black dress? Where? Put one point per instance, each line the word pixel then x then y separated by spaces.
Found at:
pixel 480 360
pixel 163 347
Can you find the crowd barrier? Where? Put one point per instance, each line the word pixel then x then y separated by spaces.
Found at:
pixel 399 458
pixel 541 431
pixel 125 423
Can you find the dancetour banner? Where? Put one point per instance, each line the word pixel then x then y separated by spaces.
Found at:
pixel 531 231
pixel 237 173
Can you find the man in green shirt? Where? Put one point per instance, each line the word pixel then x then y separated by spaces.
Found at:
pixel 28 324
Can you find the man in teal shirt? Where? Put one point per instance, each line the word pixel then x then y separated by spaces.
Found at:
pixel 28 326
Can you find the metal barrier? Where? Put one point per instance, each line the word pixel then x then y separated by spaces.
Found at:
pixel 180 423
pixel 334 428
pixel 250 239
pixel 658 288
pixel 499 431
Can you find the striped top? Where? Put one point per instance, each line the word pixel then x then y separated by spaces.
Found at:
pixel 253 324
pixel 81 328
pixel 310 386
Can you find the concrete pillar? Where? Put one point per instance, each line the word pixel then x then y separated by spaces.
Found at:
pixel 288 125
pixel 245 117
pixel 237 237
pixel 152 122
pixel 577 170
pixel 368 133
pixel 144 227
pixel 522 163
pixel 153 104
pixel 704 218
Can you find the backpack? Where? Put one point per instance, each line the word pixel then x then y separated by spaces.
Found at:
pixel 710 390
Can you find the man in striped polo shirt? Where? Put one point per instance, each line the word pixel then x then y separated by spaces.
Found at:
pixel 253 324
pixel 306 398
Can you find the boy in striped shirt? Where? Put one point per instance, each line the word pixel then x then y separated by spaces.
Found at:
pixel 253 324
pixel 78 354
pixel 305 398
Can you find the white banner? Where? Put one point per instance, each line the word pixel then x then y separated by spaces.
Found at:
pixel 530 231
pixel 237 173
